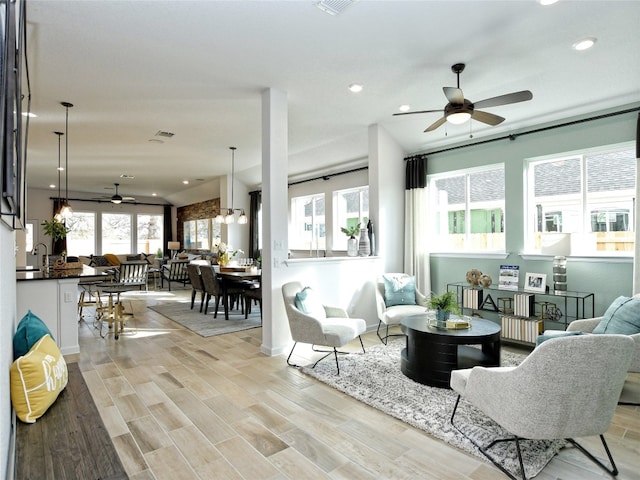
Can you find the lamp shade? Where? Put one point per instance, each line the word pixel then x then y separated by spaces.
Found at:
pixel 173 245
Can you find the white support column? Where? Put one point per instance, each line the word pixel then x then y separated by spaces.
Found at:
pixel 275 329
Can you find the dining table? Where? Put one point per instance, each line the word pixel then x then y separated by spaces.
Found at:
pixel 230 279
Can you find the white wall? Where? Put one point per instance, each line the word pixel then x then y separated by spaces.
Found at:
pixel 8 324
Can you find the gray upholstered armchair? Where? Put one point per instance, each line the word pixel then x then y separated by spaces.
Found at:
pixel 631 390
pixel 392 312
pixel 567 387
pixel 320 325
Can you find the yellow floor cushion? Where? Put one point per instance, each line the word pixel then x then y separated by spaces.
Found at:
pixel 37 379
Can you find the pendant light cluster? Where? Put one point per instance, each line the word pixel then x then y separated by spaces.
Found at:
pixel 58 217
pixel 230 216
pixel 65 211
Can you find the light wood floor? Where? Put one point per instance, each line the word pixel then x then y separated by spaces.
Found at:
pixel 179 406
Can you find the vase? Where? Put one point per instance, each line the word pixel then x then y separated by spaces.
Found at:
pixel 442 315
pixel 364 247
pixel 352 247
pixel 223 259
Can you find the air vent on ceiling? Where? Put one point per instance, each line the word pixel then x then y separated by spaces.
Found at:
pixel 333 7
pixel 161 133
pixel 124 175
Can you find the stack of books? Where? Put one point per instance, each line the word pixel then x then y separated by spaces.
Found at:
pixel 523 304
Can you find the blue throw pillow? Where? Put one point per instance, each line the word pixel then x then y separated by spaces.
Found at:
pixel 544 337
pixel 29 331
pixel 399 290
pixel 308 302
pixel 622 316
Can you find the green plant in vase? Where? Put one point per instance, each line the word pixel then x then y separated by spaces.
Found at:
pixel 444 305
pixel 352 242
pixel 55 229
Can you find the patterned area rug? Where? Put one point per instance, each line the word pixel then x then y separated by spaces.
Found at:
pixel 206 325
pixel 375 378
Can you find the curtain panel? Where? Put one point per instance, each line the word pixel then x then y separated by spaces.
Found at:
pixel 254 224
pixel 636 253
pixel 416 254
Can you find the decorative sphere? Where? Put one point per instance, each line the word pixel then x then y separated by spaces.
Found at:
pixel 485 280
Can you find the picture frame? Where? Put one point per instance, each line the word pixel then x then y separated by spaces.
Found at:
pixel 535 282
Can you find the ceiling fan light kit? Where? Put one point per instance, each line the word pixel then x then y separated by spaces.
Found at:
pixel 117 199
pixel 459 109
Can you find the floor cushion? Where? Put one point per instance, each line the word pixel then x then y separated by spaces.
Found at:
pixel 30 329
pixel 37 379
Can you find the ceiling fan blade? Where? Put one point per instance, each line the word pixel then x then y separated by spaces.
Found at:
pixel 454 95
pixel 486 117
pixel 514 97
pixel 435 124
pixel 420 111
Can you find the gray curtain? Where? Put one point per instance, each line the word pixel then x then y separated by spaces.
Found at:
pixel 416 253
pixel 636 256
pixel 167 232
pixel 254 224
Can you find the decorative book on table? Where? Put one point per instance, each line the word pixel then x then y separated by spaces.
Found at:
pixel 509 277
pixel 472 298
pixel 523 329
pixel 523 304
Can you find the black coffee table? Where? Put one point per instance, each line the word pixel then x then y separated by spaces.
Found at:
pixel 432 353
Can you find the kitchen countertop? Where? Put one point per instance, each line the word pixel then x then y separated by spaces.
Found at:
pixel 27 273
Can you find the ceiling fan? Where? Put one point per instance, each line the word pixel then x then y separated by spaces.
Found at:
pixel 116 198
pixel 459 109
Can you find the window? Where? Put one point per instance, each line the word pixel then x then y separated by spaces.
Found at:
pixel 467 210
pixel 590 196
pixel 350 208
pixel 81 239
pixel 307 230
pixel 200 234
pixel 116 233
pixel 150 231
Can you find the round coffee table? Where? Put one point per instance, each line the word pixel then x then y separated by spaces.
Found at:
pixel 432 353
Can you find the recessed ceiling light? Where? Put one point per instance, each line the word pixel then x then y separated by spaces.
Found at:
pixel 52 186
pixel 355 87
pixel 545 3
pixel 60 169
pixel 584 44
pixel 186 182
pixel 404 108
pixel 154 194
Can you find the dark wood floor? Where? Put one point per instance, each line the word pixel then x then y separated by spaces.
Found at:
pixel 69 441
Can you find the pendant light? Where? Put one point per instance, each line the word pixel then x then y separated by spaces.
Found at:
pixel 66 210
pixel 230 217
pixel 58 216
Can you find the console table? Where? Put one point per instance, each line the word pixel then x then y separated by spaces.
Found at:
pixel 560 308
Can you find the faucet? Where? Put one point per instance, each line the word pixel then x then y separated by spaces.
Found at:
pixel 45 257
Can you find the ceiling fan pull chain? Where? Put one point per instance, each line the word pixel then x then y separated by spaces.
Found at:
pixel 470 130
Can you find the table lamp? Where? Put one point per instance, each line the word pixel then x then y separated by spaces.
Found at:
pixel 174 247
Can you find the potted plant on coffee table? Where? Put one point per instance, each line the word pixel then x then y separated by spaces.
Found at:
pixel 352 241
pixel 444 305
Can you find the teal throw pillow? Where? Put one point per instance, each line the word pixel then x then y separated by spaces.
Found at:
pixel 543 337
pixel 399 290
pixel 307 302
pixel 622 317
pixel 29 331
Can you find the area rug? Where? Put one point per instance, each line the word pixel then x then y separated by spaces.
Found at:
pixel 375 378
pixel 206 325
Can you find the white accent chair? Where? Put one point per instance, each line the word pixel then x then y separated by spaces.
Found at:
pixel 334 330
pixel 567 387
pixel 393 315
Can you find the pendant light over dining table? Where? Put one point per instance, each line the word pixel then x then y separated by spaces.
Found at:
pixel 230 216
pixel 65 209
pixel 58 216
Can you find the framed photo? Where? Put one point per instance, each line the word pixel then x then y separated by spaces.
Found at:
pixel 535 282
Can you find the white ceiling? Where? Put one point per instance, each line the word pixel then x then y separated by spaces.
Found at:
pixel 197 69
